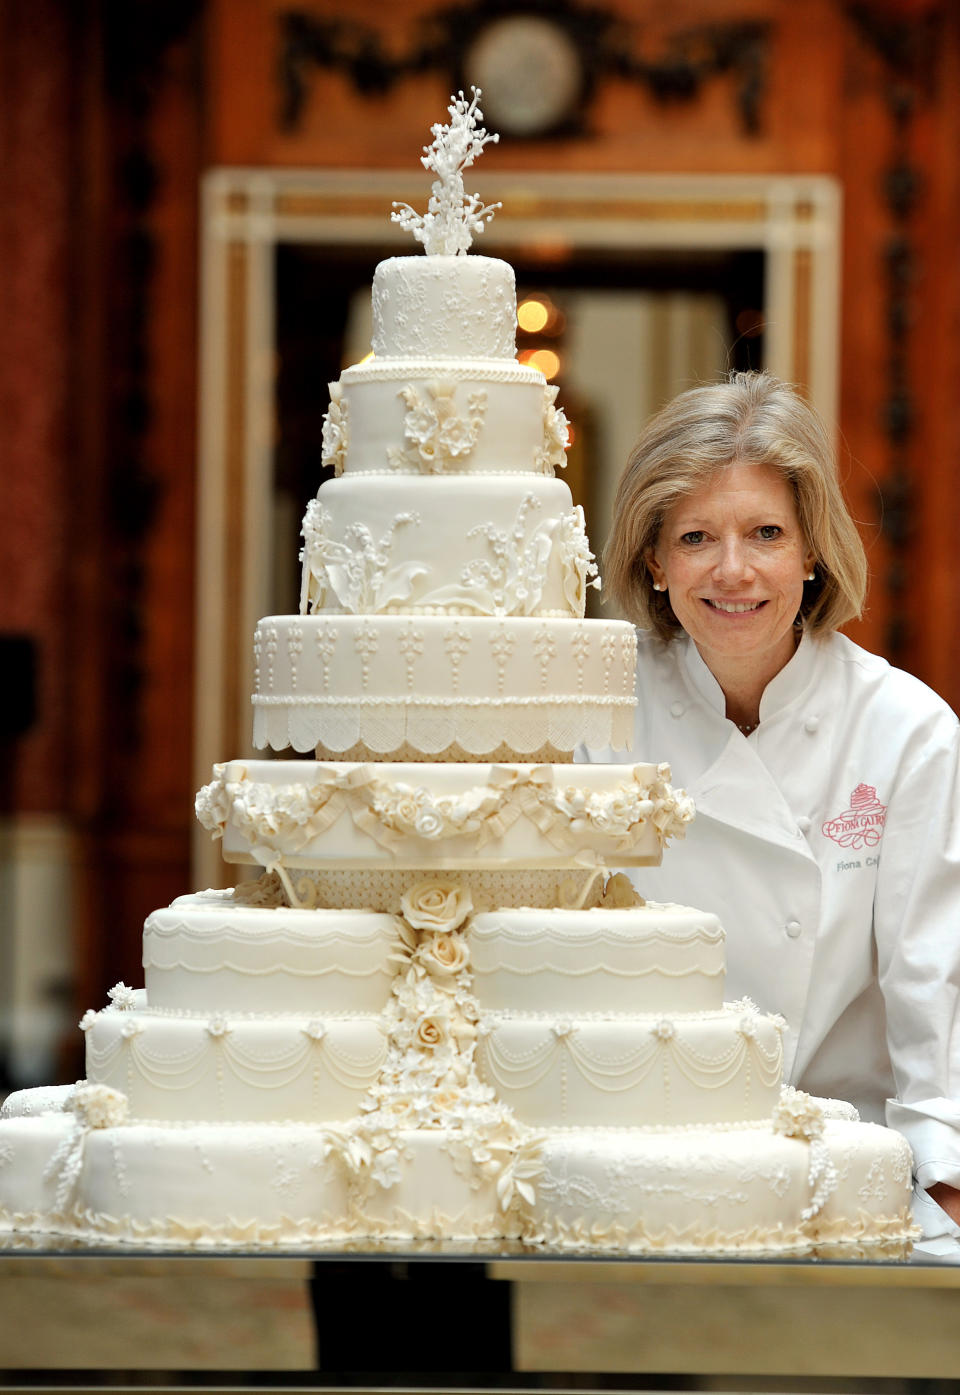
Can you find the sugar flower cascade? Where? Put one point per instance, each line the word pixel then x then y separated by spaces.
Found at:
pixel 452 217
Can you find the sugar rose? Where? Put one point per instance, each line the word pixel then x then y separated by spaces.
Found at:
pixel 428 824
pixel 798 1115
pixel 620 893
pixel 406 810
pixel 431 1031
pixel 436 905
pixel 444 955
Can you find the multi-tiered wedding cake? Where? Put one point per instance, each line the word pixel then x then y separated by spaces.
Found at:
pixel 434 1014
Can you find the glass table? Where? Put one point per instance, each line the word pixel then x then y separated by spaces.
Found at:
pixel 444 1316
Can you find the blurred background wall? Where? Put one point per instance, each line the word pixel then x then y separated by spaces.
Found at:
pixel 114 114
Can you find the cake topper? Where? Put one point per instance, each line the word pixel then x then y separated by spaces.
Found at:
pixel 452 217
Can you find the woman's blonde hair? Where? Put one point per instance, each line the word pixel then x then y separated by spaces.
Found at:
pixel 753 419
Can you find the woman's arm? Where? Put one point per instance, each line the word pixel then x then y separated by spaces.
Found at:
pixel 948 1198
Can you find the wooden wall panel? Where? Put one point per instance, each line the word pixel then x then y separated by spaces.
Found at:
pixel 628 128
pixel 35 303
pixel 137 828
pixel 935 555
pixel 900 341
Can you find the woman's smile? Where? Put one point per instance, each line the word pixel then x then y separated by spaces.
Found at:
pixel 733 607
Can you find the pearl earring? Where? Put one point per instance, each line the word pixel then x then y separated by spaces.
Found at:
pixel 657 586
pixel 811 576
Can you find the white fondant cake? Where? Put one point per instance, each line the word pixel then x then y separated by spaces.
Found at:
pixel 437 307
pixel 308 814
pixel 508 546
pixel 208 954
pixel 620 962
pixel 395 686
pixel 406 417
pixel 435 1015
pixel 697 1068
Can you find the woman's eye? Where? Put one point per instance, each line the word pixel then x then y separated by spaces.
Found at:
pixel 769 531
pixel 692 538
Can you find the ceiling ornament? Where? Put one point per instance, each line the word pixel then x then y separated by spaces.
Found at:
pixel 538 62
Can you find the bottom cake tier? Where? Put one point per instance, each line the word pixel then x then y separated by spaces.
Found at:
pixel 246 1185
pixel 744 1189
pixel 735 1190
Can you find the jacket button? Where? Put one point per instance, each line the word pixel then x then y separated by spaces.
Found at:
pixel 803 823
pixel 676 709
pixel 811 725
pixel 792 928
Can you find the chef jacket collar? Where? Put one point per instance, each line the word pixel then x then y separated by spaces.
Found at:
pixel 784 688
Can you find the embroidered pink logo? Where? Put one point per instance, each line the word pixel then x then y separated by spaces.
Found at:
pixel 862 824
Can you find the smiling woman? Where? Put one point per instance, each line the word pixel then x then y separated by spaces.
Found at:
pixel 732 558
pixel 826 782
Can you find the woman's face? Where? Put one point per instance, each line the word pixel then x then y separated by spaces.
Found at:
pixel 733 558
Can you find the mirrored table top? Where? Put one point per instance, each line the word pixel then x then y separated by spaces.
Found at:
pixel 935 1263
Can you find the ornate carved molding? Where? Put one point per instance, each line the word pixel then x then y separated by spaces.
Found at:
pixel 603 45
pixel 907 46
pixel 135 41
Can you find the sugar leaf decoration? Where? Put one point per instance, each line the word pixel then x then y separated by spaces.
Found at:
pixel 452 217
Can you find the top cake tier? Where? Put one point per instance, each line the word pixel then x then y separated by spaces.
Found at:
pixel 444 308
pixel 443 393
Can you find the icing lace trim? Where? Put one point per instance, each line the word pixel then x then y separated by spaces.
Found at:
pixel 598 931
pixel 430 725
pixel 455 754
pixel 632 1058
pixel 226 1017
pixel 458 370
pixel 663 1024
pixel 213 926
pixel 382 889
pixel 260 1054
pixel 864 1236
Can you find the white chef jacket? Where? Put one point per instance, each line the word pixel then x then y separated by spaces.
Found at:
pixel 828 843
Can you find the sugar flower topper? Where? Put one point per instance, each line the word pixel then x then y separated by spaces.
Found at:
pixel 452 217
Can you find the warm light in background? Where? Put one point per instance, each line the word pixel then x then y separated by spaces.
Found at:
pixel 532 315
pixel 367 357
pixel 545 359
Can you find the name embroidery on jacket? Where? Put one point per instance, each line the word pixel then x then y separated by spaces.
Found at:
pixel 861 825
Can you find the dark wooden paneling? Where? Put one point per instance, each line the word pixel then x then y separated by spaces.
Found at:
pixel 36 598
